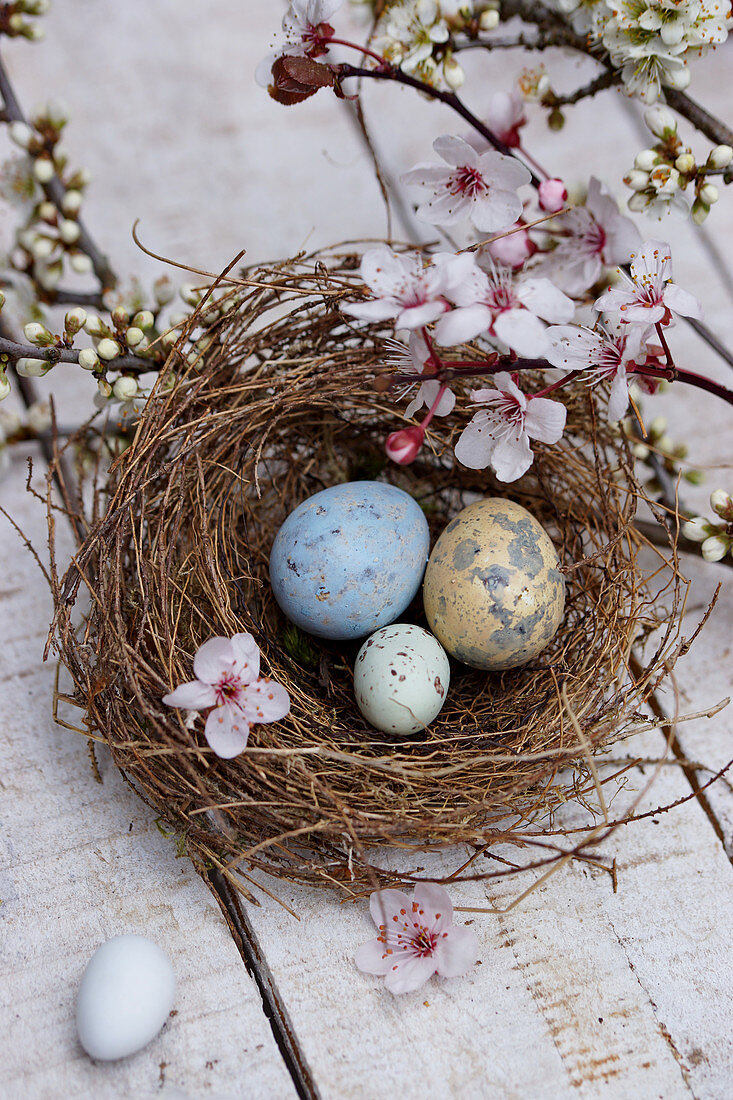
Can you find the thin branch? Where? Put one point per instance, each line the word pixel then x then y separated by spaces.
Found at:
pixel 55 191
pixel 606 79
pixel 131 364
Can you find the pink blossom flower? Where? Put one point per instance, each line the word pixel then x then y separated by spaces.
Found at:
pixel 506 307
pixel 598 355
pixel 552 195
pixel 413 359
pixel 228 680
pixel 648 296
pixel 499 434
pixel 481 187
pixel 307 31
pixel 404 287
pixel 417 938
pixel 592 235
pixel 513 248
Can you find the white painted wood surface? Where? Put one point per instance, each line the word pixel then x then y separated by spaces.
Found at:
pixel 580 991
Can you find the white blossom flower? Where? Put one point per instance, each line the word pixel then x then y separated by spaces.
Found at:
pixel 592 235
pixel 499 434
pixel 305 25
pixel 505 116
pixel 412 359
pixel 408 32
pixel 417 938
pixel 405 287
pixel 648 296
pixel 479 186
pixel 599 355
pixel 505 306
pixel 228 681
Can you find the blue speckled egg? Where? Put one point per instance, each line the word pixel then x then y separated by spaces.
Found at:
pixel 350 559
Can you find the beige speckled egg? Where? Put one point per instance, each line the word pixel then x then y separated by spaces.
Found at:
pixel 494 594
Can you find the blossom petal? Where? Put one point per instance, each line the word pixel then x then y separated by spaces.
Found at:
pixel 445 208
pixel 247 657
pixel 435 902
pixel 512 457
pixel 457 951
pixel 226 731
pixel 409 974
pixel 462 324
pixel 618 401
pixel 213 658
pixel 264 701
pixel 544 419
pixel 195 695
pixel 455 151
pixel 447 401
pixel 417 316
pixel 681 301
pixel 378 310
pixel 509 172
pixel 476 443
pixel 383 270
pixel 522 332
pixel 372 958
pixel 499 210
pixel 384 905
pixel 545 300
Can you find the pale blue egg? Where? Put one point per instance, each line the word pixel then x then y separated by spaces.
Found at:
pixel 350 559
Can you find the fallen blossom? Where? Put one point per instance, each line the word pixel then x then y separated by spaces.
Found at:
pixel 306 28
pixel 499 434
pixel 228 681
pixel 505 306
pixel 647 295
pixel 417 938
pixel 591 236
pixel 599 355
pixel 404 288
pixel 479 186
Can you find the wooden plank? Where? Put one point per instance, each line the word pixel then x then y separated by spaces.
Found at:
pixel 82 861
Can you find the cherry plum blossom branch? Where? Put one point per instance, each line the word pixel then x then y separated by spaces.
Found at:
pixel 54 191
pixel 130 364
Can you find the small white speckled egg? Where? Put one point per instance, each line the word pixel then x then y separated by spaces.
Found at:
pixel 401 678
pixel 125 996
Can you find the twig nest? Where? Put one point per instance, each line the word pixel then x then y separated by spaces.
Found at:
pixel 494 593
pixel 281 406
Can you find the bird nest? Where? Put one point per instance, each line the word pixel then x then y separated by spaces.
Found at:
pixel 280 405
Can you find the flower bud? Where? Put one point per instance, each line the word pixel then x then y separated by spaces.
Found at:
pixel 716 547
pixel 69 231
pixel 42 247
pixel 119 316
pixel 646 160
pixel 513 249
pixel 637 180
pixel 47 212
pixel 21 134
pixel 720 156
pixel 708 194
pixel 699 212
pixel 661 122
pixel 4 385
pixel 38 334
pixel 404 445
pixel 32 368
pixel 169 338
pixel 108 349
pixel 71 202
pixel 88 359
pixel 696 529
pixel 190 294
pixel 80 263
pixel 48 275
pixel 36 7
pixel 556 119
pixel 552 195
pixel 638 202
pixel 103 388
pixel 133 336
pixel 722 503
pixel 488 20
pixel 143 319
pixel 124 388
pixel 685 163
pixel 163 290
pixel 39 416
pixel 94 325
pixel 74 320
pixel 44 170
pixel 453 73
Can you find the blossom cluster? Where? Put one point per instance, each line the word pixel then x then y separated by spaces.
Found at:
pixel 716 537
